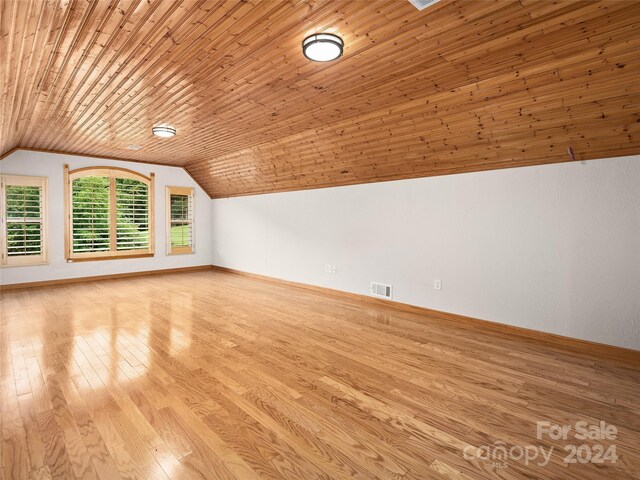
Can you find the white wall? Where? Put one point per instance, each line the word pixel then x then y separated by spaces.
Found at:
pixel 52 166
pixel 554 248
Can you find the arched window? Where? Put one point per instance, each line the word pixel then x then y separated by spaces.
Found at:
pixel 109 213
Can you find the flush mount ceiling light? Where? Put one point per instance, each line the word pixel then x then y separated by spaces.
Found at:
pixel 164 131
pixel 322 47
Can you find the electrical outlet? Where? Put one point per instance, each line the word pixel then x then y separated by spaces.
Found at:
pixel 437 284
pixel 328 268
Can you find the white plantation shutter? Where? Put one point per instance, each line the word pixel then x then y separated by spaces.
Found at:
pixel 132 202
pixel 110 212
pixel 24 220
pixel 91 231
pixel 23 239
pixel 180 220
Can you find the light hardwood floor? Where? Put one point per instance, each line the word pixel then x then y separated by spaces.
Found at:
pixel 215 375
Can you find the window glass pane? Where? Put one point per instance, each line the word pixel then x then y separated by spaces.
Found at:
pixel 90 214
pixel 180 207
pixel 24 239
pixel 180 235
pixel 24 222
pixel 181 220
pixel 132 206
pixel 22 202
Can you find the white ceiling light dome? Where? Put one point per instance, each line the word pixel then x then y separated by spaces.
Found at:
pixel 164 131
pixel 322 47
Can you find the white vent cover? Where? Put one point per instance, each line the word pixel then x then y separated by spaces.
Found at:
pixel 380 290
pixel 422 4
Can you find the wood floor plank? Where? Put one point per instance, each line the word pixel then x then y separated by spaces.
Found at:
pixel 35 447
pixel 210 375
pixel 56 454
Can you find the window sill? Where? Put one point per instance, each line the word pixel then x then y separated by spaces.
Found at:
pixel 111 257
pixel 34 264
pixel 185 252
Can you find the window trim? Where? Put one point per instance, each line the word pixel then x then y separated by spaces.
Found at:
pixel 181 191
pixel 25 260
pixel 112 253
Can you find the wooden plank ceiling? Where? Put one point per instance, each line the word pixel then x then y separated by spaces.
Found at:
pixel 461 86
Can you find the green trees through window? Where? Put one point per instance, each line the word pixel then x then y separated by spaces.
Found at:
pixel 91 214
pixel 132 201
pixel 180 221
pixel 24 220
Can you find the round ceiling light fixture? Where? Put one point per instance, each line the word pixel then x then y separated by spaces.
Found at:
pixel 164 131
pixel 322 47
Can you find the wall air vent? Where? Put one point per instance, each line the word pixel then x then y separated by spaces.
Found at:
pixel 422 4
pixel 380 290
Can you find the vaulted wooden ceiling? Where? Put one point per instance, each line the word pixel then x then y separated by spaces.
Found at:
pixel 461 86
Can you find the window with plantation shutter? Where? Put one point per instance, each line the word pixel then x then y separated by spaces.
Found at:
pixel 180 220
pixel 23 211
pixel 109 213
pixel 132 211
